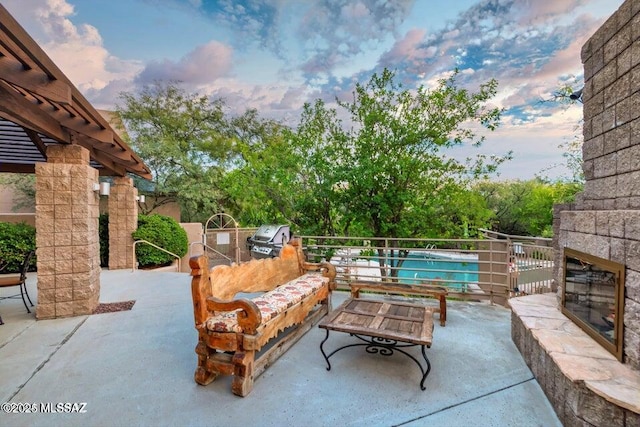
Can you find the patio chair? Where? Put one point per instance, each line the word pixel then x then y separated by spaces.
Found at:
pixel 18 280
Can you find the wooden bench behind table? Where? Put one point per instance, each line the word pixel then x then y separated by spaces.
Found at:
pixel 438 292
pixel 232 330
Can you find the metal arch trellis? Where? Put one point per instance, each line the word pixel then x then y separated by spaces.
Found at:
pixel 218 222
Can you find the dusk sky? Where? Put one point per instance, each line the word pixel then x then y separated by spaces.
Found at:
pixel 274 55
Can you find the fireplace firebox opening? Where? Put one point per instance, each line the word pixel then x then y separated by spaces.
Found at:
pixel 593 297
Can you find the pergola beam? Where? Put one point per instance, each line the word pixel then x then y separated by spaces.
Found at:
pixel 34 81
pixel 37 96
pixel 17 168
pixel 16 108
pixel 37 141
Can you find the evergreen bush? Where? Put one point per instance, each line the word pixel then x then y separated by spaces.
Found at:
pixel 163 231
pixel 16 240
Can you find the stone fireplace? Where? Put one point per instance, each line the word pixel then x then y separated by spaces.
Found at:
pixel 585 383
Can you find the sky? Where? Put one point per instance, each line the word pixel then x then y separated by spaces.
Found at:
pixel 275 55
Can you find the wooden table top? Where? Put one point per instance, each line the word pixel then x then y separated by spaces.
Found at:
pixel 392 320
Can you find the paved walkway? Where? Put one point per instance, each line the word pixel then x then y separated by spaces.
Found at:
pixel 136 368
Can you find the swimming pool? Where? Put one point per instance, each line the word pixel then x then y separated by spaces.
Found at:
pixel 451 270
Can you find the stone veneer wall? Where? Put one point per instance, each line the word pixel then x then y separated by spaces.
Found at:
pixel 68 256
pixel 605 219
pixel 123 220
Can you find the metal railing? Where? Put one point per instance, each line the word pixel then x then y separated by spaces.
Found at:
pixel 135 262
pixel 469 268
pixel 531 269
pixel 530 262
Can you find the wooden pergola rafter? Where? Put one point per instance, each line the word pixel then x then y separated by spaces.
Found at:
pixel 39 107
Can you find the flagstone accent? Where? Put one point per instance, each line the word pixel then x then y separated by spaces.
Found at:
pixel 583 382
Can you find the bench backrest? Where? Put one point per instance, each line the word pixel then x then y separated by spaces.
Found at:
pixel 224 282
pixel 257 275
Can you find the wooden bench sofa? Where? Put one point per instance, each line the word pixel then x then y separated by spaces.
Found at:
pixel 231 329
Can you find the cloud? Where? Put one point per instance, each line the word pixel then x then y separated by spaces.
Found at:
pixel 292 99
pixel 202 65
pixel 537 12
pixel 332 31
pixel 76 49
pixel 108 97
pixel 411 48
pixel 251 21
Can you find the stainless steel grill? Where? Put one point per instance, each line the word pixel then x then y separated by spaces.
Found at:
pixel 268 240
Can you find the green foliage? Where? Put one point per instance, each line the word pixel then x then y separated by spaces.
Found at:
pixel 384 173
pixel 261 187
pixel 103 233
pixel 164 232
pixel 525 207
pixel 387 174
pixel 183 139
pixel 16 240
pixel 24 188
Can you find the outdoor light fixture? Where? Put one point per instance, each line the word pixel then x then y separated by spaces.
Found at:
pixel 140 198
pixel 96 186
pixel 105 188
pixel 577 95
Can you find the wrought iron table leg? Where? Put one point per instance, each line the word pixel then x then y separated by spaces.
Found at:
pixel 323 353
pixel 424 376
pixel 383 347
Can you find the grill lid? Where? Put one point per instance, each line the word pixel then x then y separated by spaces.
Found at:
pixel 275 234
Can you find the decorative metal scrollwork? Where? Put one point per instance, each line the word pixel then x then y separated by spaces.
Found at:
pixel 384 347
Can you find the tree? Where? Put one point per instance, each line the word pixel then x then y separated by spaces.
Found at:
pixel 258 188
pixel 183 139
pixel 24 188
pixel 388 173
pixel 525 207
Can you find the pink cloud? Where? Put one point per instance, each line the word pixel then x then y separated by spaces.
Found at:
pixel 409 48
pixel 536 12
pixel 202 65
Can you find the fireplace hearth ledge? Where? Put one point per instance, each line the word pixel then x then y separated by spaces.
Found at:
pixel 582 380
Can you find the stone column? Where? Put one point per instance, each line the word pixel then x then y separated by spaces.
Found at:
pixel 123 220
pixel 67 242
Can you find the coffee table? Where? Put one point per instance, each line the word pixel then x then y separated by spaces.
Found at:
pixel 384 327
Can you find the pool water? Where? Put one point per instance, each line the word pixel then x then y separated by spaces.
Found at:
pixel 455 273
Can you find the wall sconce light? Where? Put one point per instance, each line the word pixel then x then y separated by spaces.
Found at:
pixel 105 188
pixel 140 198
pixel 96 186
pixel 577 95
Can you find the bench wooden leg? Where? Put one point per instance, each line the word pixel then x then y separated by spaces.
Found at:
pixel 243 371
pixel 203 375
pixel 443 310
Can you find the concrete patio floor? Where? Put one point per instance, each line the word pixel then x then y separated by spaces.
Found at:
pixel 136 368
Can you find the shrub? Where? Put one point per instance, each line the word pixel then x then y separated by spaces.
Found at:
pixel 103 232
pixel 15 241
pixel 163 231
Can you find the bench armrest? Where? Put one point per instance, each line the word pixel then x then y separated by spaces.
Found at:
pixel 327 269
pixel 249 317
